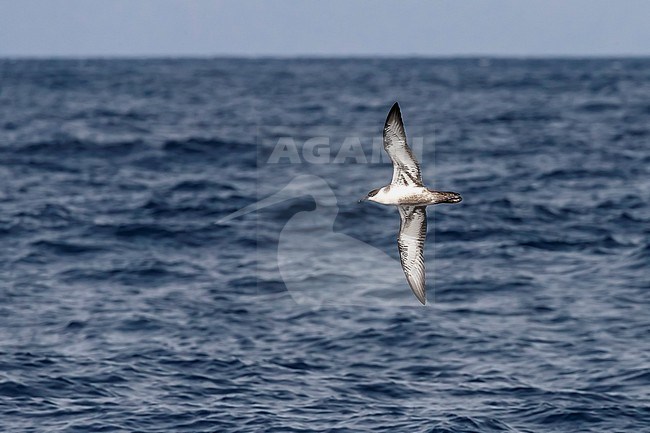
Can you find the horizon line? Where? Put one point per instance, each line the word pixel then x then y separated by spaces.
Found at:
pixel 322 56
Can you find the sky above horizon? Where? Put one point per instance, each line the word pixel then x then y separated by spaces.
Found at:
pixel 325 28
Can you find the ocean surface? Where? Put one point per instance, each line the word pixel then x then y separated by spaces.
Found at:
pixel 129 303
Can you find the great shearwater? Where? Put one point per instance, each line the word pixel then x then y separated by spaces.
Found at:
pixel 408 193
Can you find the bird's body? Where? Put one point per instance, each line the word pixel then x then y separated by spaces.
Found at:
pixel 408 193
pixel 404 195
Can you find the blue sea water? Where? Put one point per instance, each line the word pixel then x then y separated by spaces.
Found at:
pixel 126 308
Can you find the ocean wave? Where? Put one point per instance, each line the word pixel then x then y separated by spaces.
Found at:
pixel 126 308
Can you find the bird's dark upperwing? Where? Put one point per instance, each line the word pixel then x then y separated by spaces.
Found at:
pixel 410 242
pixel 406 170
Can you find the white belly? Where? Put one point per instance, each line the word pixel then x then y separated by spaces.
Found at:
pixel 403 195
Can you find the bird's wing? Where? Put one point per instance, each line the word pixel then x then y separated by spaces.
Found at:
pixel 410 243
pixel 406 169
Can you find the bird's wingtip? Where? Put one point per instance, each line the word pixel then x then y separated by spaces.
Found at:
pixel 419 290
pixel 394 115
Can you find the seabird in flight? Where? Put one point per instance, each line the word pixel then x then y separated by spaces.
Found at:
pixel 408 193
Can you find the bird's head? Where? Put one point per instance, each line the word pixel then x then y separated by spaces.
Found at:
pixel 370 196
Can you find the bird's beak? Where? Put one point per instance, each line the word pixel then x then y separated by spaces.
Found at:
pixel 363 199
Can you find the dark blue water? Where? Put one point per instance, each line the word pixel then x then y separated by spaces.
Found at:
pixel 125 308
